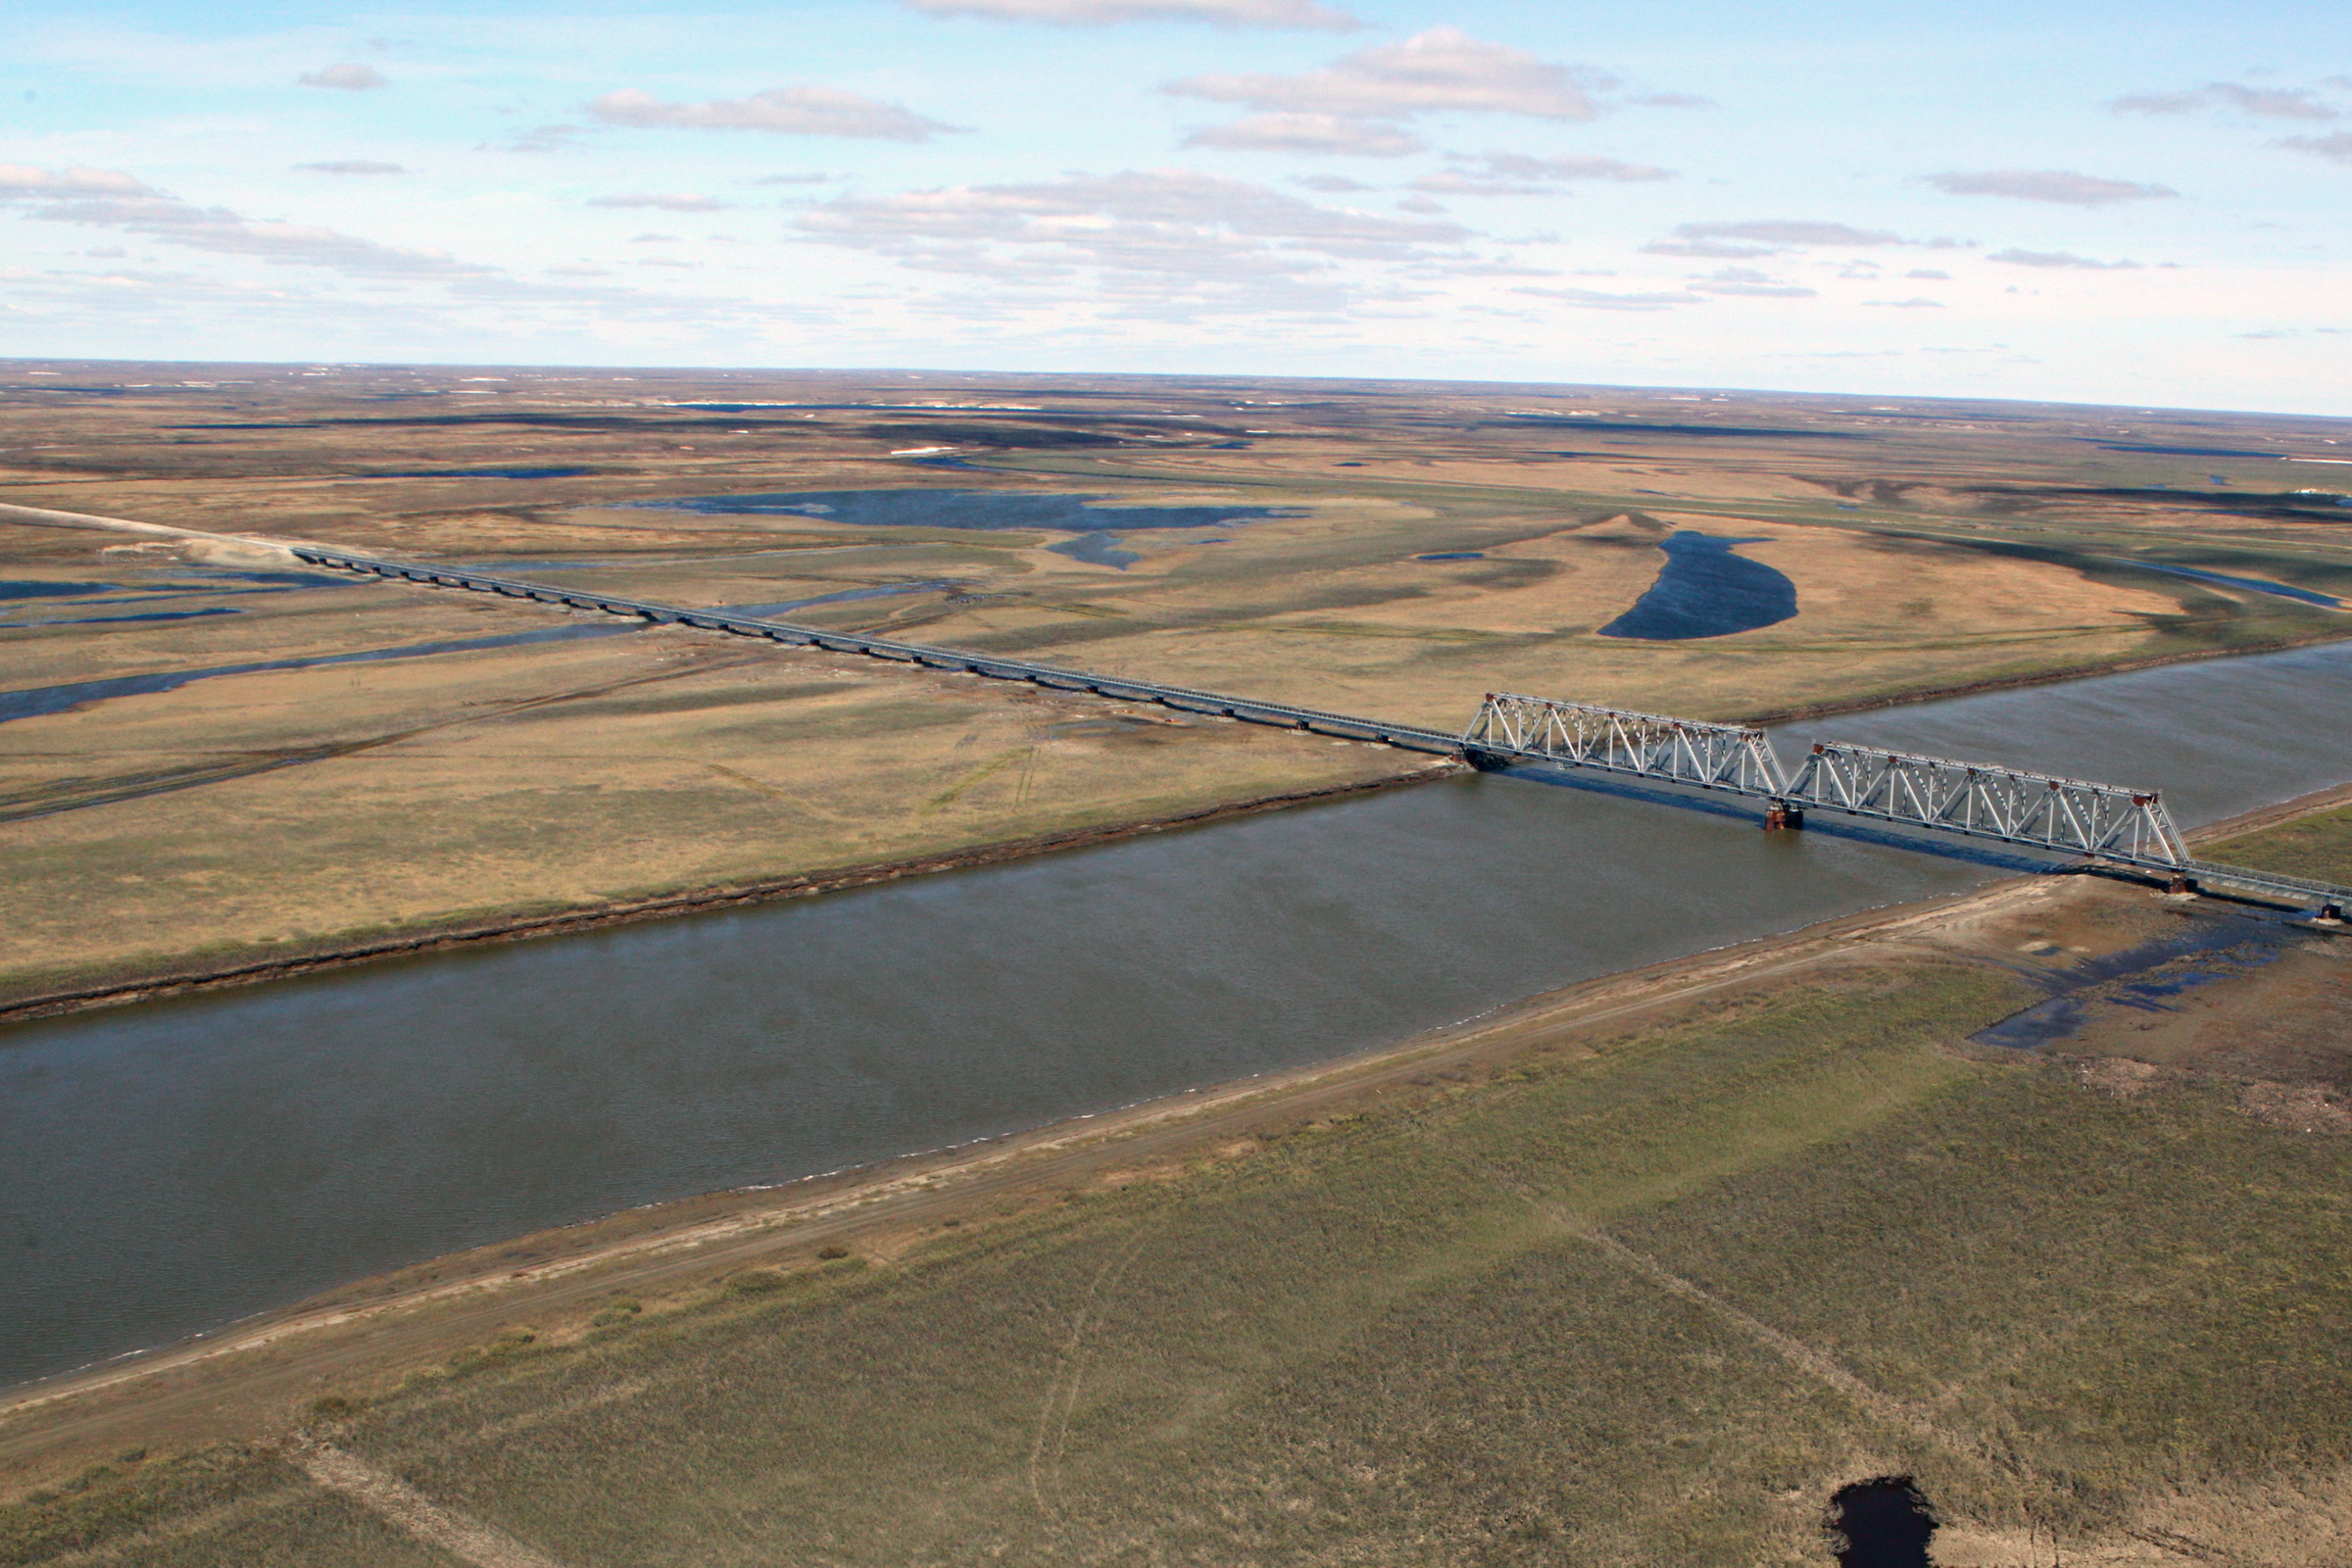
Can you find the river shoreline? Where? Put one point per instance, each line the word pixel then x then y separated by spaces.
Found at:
pixel 439 1300
pixel 2046 678
pixel 407 1315
pixel 138 985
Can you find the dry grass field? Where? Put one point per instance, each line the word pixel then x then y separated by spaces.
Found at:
pixel 219 821
pixel 1637 1291
pixel 1627 1295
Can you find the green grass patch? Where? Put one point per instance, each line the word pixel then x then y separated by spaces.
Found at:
pixel 1393 1338
pixel 2318 846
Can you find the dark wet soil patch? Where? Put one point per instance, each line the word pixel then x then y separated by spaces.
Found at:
pixel 2142 978
pixel 1881 1523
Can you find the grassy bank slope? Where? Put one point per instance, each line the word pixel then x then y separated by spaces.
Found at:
pixel 1644 1303
pixel 2319 846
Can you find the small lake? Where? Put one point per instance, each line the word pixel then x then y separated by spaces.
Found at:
pixel 1706 589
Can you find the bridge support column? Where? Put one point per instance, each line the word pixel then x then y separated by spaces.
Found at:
pixel 1780 814
pixel 2182 882
pixel 2332 913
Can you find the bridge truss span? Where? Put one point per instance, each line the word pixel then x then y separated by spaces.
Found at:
pixel 1982 801
pixel 1675 750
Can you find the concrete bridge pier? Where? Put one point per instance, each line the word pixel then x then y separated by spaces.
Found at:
pixel 1780 814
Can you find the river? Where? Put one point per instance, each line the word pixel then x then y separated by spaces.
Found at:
pixel 167 1167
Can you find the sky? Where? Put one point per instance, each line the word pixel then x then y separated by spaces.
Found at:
pixel 2098 201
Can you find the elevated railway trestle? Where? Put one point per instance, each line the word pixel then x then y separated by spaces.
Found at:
pixel 1974 800
pixel 2102 821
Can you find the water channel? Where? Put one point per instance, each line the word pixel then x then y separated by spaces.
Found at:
pixel 168 1168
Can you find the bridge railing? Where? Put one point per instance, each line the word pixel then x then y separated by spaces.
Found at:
pixel 1617 740
pixel 1982 801
pixel 1346 726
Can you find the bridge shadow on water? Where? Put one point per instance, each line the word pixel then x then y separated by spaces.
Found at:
pixel 1856 830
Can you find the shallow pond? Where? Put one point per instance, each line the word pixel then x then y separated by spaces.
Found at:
pixel 1707 590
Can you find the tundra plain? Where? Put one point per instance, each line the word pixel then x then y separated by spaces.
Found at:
pixel 1640 1272
pixel 1406 547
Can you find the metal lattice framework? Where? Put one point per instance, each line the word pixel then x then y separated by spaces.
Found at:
pixel 1674 750
pixel 1974 798
pixel 1990 803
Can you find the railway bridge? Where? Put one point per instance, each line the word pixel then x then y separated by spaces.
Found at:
pixel 2103 822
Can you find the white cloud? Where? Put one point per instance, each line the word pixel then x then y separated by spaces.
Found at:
pixel 789 110
pixel 1329 184
pixel 21 181
pixel 2046 185
pixel 348 76
pixel 537 139
pixel 2020 258
pixel 668 204
pixel 1914 303
pixel 1929 273
pixel 1309 134
pixel 1440 70
pixel 1789 232
pixel 1099 12
pixel 1159 243
pixel 1523 165
pixel 1747 280
pixel 2268 103
pixel 796 179
pixel 1453 182
pixel 217 229
pixel 1589 299
pixel 1081 213
pixel 1520 174
pixel 2336 147
pixel 109 199
pixel 1704 249
pixel 352 165
pixel 1420 204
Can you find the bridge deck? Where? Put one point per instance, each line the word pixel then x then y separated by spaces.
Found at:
pixel 1285 715
pixel 1935 794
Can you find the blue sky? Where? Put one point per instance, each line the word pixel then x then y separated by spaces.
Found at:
pixel 2138 204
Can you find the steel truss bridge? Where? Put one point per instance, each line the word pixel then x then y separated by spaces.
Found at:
pixel 1972 799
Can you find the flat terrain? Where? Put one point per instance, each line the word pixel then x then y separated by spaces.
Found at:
pixel 1637 1274
pixel 1390 549
pixel 2041 1196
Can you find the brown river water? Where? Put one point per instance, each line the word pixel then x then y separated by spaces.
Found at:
pixel 168 1168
